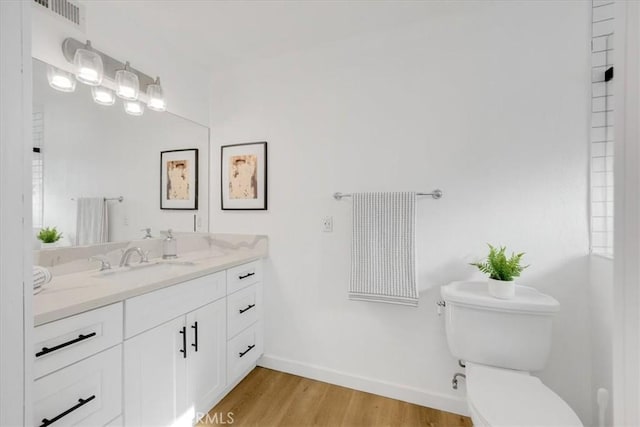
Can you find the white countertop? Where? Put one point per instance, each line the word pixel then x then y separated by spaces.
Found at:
pixel 70 294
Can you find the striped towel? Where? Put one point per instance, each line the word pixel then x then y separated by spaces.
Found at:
pixel 41 276
pixel 383 250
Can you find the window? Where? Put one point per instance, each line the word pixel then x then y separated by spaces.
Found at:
pixel 602 148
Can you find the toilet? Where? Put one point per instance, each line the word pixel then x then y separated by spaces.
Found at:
pixel 501 342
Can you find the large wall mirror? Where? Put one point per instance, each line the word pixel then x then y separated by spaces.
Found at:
pixel 85 151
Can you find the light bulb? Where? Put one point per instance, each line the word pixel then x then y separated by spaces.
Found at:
pixel 88 66
pixel 134 108
pixel 102 95
pixel 60 80
pixel 156 100
pixel 127 84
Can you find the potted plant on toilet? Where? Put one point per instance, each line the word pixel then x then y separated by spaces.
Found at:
pixel 502 271
pixel 49 237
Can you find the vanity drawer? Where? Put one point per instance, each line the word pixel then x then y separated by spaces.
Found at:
pixel 88 393
pixel 243 351
pixel 243 308
pixel 65 341
pixel 243 275
pixel 152 309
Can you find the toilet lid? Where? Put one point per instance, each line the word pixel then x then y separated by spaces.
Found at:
pixel 504 398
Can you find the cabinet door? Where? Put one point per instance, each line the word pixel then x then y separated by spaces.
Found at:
pixel 206 359
pixel 155 377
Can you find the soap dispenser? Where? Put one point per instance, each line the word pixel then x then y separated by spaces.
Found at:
pixel 169 246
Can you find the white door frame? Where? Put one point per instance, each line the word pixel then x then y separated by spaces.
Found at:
pixel 626 339
pixel 16 289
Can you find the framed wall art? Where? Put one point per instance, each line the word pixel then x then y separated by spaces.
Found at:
pixel 243 177
pixel 179 179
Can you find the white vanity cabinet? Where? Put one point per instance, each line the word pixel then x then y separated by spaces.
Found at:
pixel 160 358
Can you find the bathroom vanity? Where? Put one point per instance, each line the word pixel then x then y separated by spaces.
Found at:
pixel 160 343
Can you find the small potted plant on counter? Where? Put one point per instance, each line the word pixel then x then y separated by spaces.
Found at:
pixel 49 237
pixel 502 271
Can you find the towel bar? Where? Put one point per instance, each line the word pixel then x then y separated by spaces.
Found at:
pixel 436 194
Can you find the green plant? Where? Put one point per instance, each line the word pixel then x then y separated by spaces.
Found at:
pixel 499 267
pixel 49 235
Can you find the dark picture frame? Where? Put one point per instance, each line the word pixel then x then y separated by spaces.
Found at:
pixel 179 179
pixel 243 176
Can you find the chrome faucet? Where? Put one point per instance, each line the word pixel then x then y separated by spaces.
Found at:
pixel 104 262
pixel 124 261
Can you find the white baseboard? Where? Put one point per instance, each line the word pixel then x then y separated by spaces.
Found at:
pixel 420 397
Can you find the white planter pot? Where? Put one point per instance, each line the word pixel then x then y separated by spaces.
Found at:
pixel 44 245
pixel 502 289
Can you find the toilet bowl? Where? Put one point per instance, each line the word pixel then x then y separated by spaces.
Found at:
pixel 503 398
pixel 502 341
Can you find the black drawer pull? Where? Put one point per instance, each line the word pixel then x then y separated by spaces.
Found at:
pixel 249 307
pixel 242 353
pixel 81 337
pixel 183 350
pixel 81 402
pixel 246 275
pixel 195 337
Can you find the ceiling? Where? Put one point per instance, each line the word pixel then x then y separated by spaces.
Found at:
pixel 219 34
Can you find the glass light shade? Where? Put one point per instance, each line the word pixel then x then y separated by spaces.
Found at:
pixel 127 85
pixel 156 100
pixel 103 96
pixel 88 67
pixel 60 80
pixel 135 108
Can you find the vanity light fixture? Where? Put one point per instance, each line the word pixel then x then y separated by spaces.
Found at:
pixel 156 100
pixel 105 74
pixel 88 66
pixel 60 80
pixel 103 95
pixel 134 108
pixel 127 83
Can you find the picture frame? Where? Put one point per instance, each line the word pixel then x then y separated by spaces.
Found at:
pixel 179 179
pixel 243 176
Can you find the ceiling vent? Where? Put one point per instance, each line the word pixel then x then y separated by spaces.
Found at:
pixel 70 11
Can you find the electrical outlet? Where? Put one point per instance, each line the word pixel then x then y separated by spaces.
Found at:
pixel 327 224
pixel 126 220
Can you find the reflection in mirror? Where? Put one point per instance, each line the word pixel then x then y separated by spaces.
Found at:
pixel 85 153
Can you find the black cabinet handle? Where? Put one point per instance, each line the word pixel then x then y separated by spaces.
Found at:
pixel 81 402
pixel 183 331
pixel 81 337
pixel 246 275
pixel 195 342
pixel 249 307
pixel 242 353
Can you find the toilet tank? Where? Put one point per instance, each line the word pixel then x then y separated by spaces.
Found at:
pixel 512 334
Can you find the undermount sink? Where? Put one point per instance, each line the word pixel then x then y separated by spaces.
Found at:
pixel 145 272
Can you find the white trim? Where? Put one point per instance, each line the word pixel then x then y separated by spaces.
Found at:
pixel 15 214
pixel 626 345
pixel 414 395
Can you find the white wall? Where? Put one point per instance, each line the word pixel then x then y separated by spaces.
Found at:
pixel 96 151
pixel 601 318
pixel 110 31
pixel 489 102
pixel 15 215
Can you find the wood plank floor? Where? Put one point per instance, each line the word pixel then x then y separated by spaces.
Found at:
pixel 271 398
